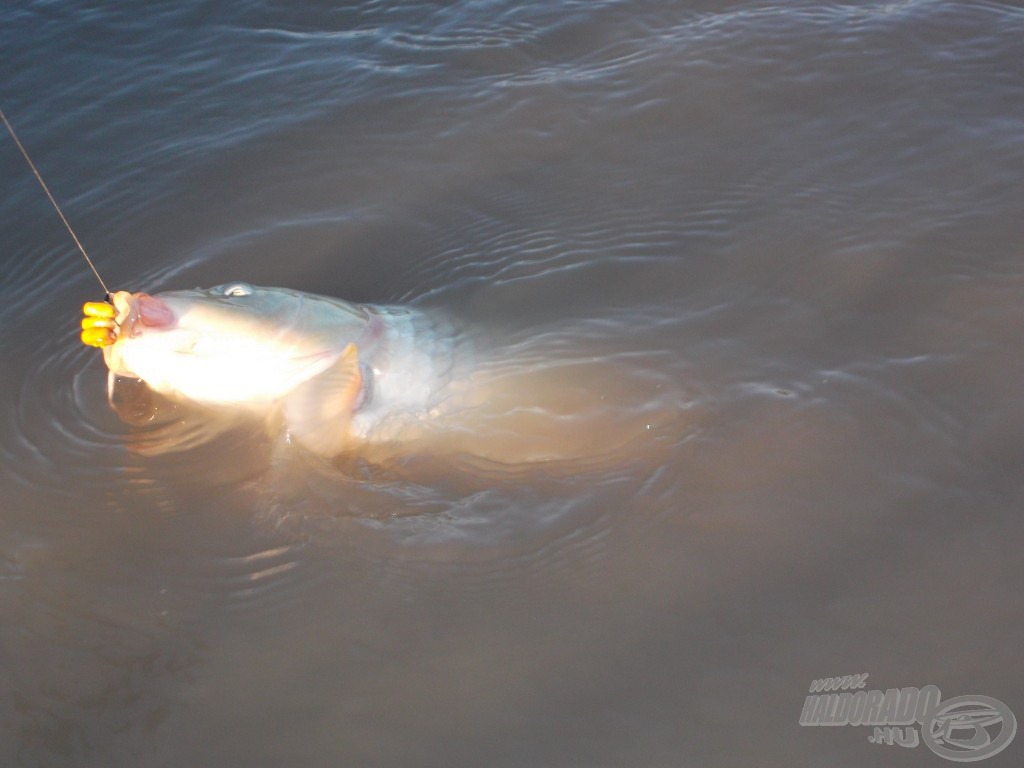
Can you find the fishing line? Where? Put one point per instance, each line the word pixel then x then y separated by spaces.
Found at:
pixel 60 213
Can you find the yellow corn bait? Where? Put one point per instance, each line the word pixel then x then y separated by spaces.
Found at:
pixel 97 337
pixel 98 325
pixel 98 309
pixel 97 322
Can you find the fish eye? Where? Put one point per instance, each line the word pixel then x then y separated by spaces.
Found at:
pixel 236 289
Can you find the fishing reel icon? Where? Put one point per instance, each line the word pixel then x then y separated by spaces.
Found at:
pixel 969 728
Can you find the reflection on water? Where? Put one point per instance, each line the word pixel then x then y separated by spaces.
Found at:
pixel 747 286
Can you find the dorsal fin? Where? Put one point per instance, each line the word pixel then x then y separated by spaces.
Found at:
pixel 319 410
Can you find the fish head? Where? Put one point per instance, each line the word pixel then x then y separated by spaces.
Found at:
pixel 230 343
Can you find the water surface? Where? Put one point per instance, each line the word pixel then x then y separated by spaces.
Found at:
pixel 803 222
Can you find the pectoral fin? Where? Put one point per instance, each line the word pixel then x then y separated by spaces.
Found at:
pixel 131 399
pixel 318 411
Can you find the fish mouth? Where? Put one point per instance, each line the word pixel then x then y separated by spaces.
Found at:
pixel 137 312
pixel 153 312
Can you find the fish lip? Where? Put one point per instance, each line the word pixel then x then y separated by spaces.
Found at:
pixel 153 312
pixel 139 312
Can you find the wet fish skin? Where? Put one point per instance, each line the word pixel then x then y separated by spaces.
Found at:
pixel 338 372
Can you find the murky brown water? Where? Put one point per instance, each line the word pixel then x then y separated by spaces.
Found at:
pixel 791 232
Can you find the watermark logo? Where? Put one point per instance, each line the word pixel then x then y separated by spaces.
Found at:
pixel 963 729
